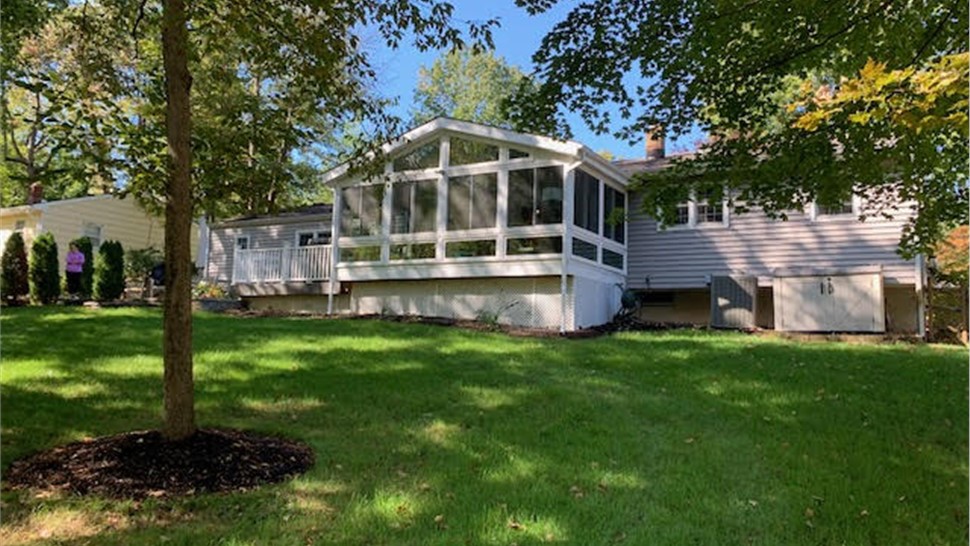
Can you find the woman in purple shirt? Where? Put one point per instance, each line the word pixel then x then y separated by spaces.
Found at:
pixel 75 264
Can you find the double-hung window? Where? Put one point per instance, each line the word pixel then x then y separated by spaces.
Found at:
pixel 313 237
pixel 709 210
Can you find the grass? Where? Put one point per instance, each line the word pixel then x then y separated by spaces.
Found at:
pixel 430 435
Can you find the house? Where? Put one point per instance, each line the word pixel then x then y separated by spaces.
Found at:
pixel 823 269
pixel 467 221
pixel 98 217
pixel 472 221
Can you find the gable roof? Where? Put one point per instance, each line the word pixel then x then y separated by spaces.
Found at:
pixel 441 124
pixel 299 214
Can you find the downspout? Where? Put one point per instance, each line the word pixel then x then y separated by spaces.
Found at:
pixel 920 266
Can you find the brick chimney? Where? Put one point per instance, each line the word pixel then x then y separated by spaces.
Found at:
pixel 35 193
pixel 656 148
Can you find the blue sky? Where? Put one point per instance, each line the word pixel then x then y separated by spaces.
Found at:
pixel 516 39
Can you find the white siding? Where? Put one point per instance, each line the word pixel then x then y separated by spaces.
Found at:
pixel 752 244
pixel 223 239
pixel 119 220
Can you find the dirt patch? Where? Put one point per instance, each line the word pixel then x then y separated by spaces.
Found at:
pixel 141 464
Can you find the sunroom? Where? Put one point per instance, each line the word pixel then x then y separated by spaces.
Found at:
pixel 471 221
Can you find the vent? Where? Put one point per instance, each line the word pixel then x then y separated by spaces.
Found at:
pixel 733 302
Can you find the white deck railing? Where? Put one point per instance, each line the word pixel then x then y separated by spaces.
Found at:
pixel 304 263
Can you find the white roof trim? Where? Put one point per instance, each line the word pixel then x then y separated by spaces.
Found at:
pixel 437 125
pixel 273 221
pixel 44 205
pixel 81 199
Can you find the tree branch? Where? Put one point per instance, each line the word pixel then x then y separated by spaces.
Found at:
pixel 785 59
pixel 931 35
pixel 138 18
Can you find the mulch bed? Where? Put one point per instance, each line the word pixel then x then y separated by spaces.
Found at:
pixel 138 465
pixel 626 324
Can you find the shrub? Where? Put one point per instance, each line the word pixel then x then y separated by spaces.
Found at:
pixel 87 272
pixel 45 274
pixel 109 271
pixel 13 269
pixel 139 263
pixel 209 290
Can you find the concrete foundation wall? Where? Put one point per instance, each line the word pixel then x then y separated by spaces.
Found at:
pixel 532 302
pixel 694 307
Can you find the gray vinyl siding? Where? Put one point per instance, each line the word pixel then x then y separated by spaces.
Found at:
pixel 753 244
pixel 223 239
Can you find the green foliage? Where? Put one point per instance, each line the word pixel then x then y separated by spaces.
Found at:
pixel 87 270
pixel 735 68
pixel 109 272
pixel 14 269
pixel 140 261
pixel 45 274
pixel 58 118
pixel 280 91
pixel 467 85
pixel 209 290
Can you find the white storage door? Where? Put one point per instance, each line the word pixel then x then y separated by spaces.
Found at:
pixel 833 303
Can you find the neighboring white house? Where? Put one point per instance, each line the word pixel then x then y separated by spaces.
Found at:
pixel 98 217
pixel 472 221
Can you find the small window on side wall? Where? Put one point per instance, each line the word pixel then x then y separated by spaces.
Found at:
pixel 839 209
pixel 242 242
pixel 311 238
pixel 93 233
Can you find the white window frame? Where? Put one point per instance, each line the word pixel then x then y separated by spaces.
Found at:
pixel 693 218
pixel 237 238
pixel 315 233
pixel 88 228
pixel 817 216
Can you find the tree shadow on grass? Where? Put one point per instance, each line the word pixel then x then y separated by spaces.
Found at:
pixel 636 438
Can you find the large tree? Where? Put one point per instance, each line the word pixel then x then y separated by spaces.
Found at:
pixel 302 39
pixel 748 73
pixel 469 85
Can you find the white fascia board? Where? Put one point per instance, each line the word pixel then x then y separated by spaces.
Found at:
pixel 60 202
pixel 589 156
pixel 455 269
pixel 17 211
pixel 272 221
pixel 568 148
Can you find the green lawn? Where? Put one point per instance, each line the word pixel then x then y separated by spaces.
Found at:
pixel 431 435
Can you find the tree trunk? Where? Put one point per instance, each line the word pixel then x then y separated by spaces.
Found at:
pixel 178 387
